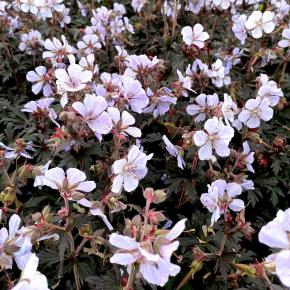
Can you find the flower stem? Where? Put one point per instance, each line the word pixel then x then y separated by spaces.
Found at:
pixel 130 278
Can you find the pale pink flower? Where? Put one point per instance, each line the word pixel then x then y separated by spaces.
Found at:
pixel 159 102
pixel 229 109
pixel 31 6
pixel 39 177
pixel 132 94
pixel 140 65
pixel 138 5
pixel 88 63
pixel 197 68
pixel 185 83
pixel 93 112
pixel 31 41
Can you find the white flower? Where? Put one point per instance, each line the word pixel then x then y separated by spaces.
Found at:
pixel 70 185
pixel 56 49
pixel 254 111
pixel 31 41
pixel 239 27
pixel 175 151
pixel 223 4
pixel 169 7
pixel 221 196
pixel 248 157
pixel 269 90
pixel 229 109
pixel 89 43
pixel 40 171
pixel 217 137
pixel 140 65
pixel 130 170
pixel 160 101
pixel 197 68
pixel 74 79
pixel 218 74
pixel 155 267
pixel 96 209
pixel 30 278
pixel 14 246
pixel 19 150
pixel 41 80
pixel 194 35
pixel 206 104
pixel 286 41
pixel 247 184
pixel 94 114
pixel 185 83
pixel 41 107
pixel 122 123
pixel 132 94
pixel 30 6
pixel 138 5
pixel 259 22
pixel 88 64
pixel 275 234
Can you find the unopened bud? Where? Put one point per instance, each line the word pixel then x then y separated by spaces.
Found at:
pixel 71 116
pixel 77 195
pixel 155 196
pixel 85 230
pixel 8 195
pixel 248 270
pixel 279 143
pixel 63 116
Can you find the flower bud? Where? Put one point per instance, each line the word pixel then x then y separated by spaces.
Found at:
pixel 25 171
pixel 77 195
pixel 248 270
pixel 85 230
pixel 8 195
pixel 279 143
pixel 155 196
